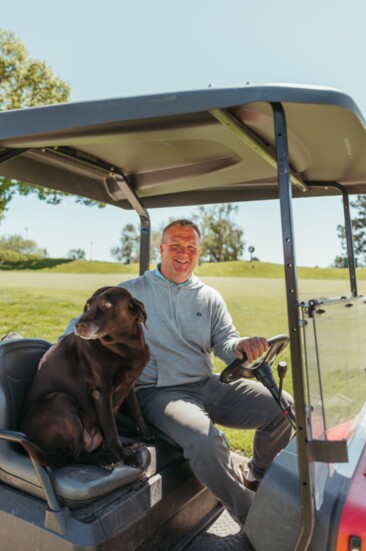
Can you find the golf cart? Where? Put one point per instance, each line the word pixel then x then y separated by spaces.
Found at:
pixel 191 148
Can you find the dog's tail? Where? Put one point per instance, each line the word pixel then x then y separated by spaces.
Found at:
pixel 43 457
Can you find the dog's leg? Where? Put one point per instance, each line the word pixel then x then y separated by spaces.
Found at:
pixel 134 410
pixel 115 452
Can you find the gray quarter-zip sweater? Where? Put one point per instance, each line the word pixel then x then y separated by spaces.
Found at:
pixel 185 324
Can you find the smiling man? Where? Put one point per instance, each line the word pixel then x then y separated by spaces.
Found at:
pixel 180 250
pixel 180 395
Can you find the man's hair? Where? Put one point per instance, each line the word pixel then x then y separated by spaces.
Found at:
pixel 180 222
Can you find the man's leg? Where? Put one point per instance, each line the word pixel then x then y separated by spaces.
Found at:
pixel 247 404
pixel 179 413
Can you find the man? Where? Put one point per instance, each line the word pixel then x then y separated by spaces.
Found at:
pixel 178 392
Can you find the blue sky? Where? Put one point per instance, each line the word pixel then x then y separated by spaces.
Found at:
pixel 118 48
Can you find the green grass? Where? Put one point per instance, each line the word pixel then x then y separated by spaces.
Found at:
pixel 239 268
pixel 41 303
pixel 92 267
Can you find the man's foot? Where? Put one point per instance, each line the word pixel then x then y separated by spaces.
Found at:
pixel 249 479
pixel 250 484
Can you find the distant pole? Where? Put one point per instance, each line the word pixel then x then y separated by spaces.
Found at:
pixel 251 250
pixel 91 250
pixel 26 233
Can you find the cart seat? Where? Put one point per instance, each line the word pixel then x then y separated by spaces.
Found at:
pixel 75 485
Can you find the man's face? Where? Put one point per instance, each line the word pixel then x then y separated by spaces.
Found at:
pixel 179 253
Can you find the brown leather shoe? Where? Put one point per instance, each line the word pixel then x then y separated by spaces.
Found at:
pixel 250 484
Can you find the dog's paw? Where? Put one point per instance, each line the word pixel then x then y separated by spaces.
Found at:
pixel 131 454
pixel 147 433
pixel 109 466
pixel 128 454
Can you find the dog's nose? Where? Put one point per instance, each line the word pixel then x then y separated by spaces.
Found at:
pixel 81 324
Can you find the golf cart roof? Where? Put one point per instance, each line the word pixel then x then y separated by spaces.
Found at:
pixel 198 147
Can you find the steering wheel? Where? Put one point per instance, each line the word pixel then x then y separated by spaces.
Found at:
pixel 241 368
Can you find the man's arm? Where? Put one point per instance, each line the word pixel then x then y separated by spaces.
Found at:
pixel 226 341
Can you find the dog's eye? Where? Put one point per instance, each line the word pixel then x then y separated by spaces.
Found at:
pixel 132 306
pixel 108 304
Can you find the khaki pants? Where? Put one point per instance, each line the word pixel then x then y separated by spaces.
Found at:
pixel 187 413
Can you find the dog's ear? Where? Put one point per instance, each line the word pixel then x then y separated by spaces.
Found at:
pixel 141 316
pixel 95 294
pixel 100 291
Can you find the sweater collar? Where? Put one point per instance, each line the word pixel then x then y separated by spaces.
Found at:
pixel 158 273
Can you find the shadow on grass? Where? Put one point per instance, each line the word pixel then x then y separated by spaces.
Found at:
pixel 34 264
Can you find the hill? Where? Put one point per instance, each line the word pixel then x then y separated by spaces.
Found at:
pixel 239 268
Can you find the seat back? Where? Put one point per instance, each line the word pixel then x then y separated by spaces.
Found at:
pixel 19 359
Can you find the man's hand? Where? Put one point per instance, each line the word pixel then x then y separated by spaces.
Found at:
pixel 253 348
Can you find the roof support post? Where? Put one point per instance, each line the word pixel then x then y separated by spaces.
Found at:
pixel 118 188
pixel 348 231
pixel 285 194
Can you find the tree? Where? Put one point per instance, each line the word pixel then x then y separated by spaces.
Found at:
pixel 222 239
pixel 76 254
pixel 26 82
pixel 128 249
pixel 358 230
pixel 155 242
pixel 17 244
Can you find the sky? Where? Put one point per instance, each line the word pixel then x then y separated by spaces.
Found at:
pixel 118 48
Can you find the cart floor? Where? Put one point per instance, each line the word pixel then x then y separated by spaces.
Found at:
pixel 223 535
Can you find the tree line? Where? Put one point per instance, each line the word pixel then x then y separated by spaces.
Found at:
pixel 222 238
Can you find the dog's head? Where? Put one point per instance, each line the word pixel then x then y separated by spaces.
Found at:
pixel 108 312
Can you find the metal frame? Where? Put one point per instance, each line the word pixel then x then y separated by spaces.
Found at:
pixel 118 188
pixel 285 192
pixel 348 229
pixel 9 154
pixel 116 185
pixel 55 515
pixel 252 141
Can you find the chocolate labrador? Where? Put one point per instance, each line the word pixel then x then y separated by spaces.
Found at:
pixel 69 411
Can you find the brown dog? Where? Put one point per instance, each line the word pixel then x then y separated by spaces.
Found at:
pixel 70 408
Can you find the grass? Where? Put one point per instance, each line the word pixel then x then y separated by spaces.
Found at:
pixel 41 303
pixel 239 268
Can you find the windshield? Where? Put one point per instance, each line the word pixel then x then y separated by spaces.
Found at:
pixel 335 360
pixel 335 363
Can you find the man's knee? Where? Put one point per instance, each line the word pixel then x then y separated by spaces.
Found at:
pixel 206 445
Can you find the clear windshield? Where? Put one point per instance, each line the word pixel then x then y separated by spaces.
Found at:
pixel 335 359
